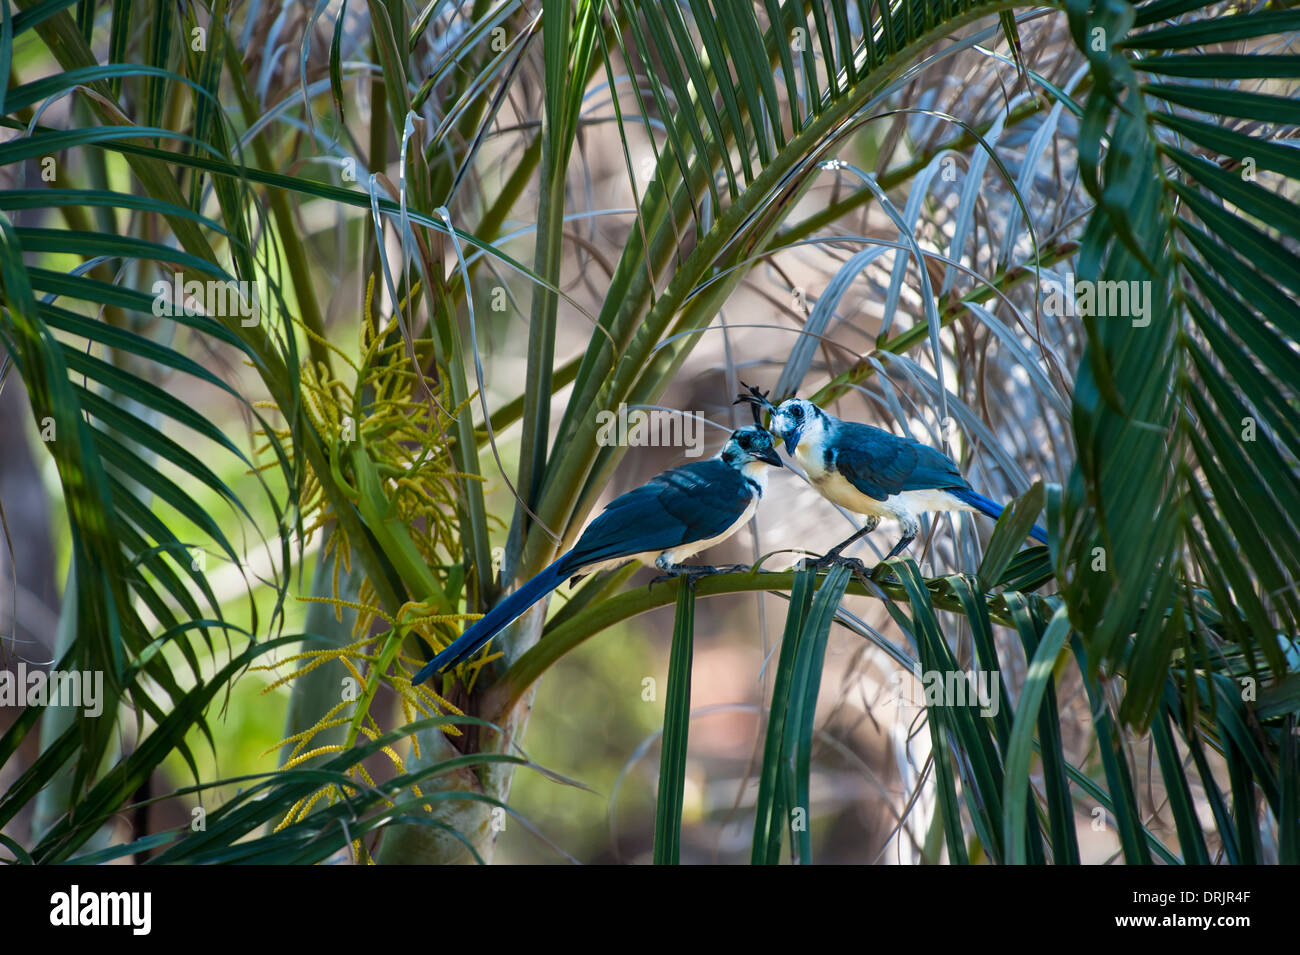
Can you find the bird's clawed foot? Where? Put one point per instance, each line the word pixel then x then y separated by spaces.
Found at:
pixel 692 572
pixel 834 560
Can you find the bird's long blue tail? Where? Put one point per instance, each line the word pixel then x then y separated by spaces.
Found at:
pixel 993 510
pixel 496 619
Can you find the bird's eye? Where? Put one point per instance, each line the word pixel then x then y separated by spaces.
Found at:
pixel 796 412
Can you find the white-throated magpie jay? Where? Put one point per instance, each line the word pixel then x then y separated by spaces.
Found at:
pixel 872 472
pixel 665 521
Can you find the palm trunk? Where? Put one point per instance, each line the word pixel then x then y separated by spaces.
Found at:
pixel 477 821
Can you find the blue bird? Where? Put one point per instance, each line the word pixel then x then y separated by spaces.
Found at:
pixel 872 472
pixel 665 521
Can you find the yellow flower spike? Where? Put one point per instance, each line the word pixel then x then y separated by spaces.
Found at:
pixel 300 809
pixel 284 680
pixel 325 722
pixel 312 754
pixel 324 792
pixel 398 763
pixel 440 708
pixel 366 776
pixel 352 668
pixel 474 669
pixel 310 655
pixel 414 291
pixel 352 605
pixel 289 816
pixel 318 657
pixel 366 311
pixel 412 482
pixel 307 534
pixel 314 406
pixel 308 735
pixel 303 743
pixel 330 346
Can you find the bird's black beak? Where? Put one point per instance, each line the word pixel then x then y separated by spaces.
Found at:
pixel 770 456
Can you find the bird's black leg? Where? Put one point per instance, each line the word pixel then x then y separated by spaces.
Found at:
pixel 910 529
pixel 870 525
pixel 832 557
pixel 900 546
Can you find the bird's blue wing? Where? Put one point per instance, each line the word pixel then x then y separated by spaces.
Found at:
pixel 880 464
pixel 691 503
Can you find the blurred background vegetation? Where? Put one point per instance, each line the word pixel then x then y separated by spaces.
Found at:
pixel 551 209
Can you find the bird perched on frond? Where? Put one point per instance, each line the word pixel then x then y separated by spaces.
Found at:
pixel 871 472
pixel 667 520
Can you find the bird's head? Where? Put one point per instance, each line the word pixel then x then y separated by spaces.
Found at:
pixel 793 418
pixel 748 444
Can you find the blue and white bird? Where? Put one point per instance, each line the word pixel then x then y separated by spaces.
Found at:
pixel 669 519
pixel 873 472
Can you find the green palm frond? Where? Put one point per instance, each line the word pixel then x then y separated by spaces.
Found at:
pixel 1145 143
pixel 1187 474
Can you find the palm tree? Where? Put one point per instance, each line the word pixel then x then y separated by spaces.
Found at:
pixel 944 162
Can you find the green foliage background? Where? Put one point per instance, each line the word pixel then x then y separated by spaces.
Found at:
pixel 383 171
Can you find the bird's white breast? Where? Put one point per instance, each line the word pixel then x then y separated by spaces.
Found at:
pixel 756 471
pixel 834 487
